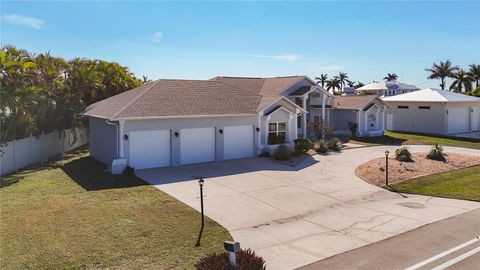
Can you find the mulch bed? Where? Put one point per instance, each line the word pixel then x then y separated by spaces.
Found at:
pixel 373 171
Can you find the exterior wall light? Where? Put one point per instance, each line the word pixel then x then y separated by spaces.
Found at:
pixel 125 137
pixel 176 134
pixel 220 131
pixel 257 129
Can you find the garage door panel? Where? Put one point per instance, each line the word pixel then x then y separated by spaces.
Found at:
pixel 149 149
pixel 197 145
pixel 458 120
pixel 476 119
pixel 238 142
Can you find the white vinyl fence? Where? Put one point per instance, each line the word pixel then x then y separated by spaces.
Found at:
pixel 28 151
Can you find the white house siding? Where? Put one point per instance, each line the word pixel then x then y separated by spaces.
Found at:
pixel 103 140
pixel 414 119
pixel 176 124
pixel 340 121
pixel 279 116
pixel 471 110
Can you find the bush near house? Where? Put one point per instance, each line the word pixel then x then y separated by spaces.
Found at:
pixel 335 144
pixel 281 153
pixel 436 153
pixel 302 145
pixel 246 260
pixel 321 146
pixel 403 154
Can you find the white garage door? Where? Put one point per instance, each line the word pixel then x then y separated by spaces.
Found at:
pixel 238 142
pixel 197 145
pixel 476 119
pixel 149 149
pixel 458 120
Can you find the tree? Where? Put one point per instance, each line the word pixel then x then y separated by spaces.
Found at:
pixel 334 85
pixel 351 84
pixel 321 80
pixel 320 128
pixel 462 81
pixel 442 71
pixel 359 84
pixel 475 74
pixel 391 77
pixel 342 77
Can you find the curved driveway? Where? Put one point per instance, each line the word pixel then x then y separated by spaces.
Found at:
pixel 293 216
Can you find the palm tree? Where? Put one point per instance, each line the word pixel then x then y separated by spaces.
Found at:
pixel 442 71
pixel 145 79
pixel 333 85
pixel 391 77
pixel 321 80
pixel 359 84
pixel 342 77
pixel 475 74
pixel 462 81
pixel 351 84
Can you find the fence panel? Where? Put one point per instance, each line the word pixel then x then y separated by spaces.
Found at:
pixel 28 151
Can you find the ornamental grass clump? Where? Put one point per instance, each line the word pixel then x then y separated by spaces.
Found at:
pixel 436 153
pixel 335 144
pixel 281 153
pixel 402 154
pixel 246 260
pixel 321 146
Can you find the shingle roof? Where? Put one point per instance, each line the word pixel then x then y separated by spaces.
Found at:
pixel 301 91
pixel 274 86
pixel 177 98
pixel 352 102
pixel 432 95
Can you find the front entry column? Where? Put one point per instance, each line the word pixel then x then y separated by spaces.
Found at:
pixel 304 118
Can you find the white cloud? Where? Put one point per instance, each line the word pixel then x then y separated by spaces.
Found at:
pixel 23 20
pixel 284 57
pixel 157 37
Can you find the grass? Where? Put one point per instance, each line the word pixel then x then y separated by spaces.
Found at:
pixel 459 184
pixel 71 214
pixel 398 138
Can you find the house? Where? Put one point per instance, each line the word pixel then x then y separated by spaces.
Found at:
pixel 433 111
pixel 385 89
pixel 177 122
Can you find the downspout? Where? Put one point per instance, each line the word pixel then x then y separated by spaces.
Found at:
pixel 116 131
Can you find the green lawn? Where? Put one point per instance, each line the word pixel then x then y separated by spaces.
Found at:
pixel 397 138
pixel 458 184
pixel 70 214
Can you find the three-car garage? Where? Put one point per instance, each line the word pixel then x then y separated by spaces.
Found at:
pixel 172 146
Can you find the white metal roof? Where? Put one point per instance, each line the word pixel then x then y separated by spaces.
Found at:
pixel 389 85
pixel 432 95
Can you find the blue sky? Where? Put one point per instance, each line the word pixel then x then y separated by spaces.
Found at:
pixel 199 40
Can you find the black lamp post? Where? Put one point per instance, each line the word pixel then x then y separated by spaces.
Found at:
pixel 386 167
pixel 200 182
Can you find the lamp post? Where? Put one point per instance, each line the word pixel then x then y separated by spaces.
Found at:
pixel 200 183
pixel 386 167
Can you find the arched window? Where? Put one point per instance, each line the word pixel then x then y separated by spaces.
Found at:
pixel 371 117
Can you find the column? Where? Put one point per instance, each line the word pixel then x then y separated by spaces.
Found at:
pixel 121 125
pixel 304 118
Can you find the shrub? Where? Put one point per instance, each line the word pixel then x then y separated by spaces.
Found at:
pixel 335 144
pixel 353 128
pixel 436 153
pixel 129 171
pixel 281 153
pixel 321 146
pixel 246 260
pixel 402 154
pixel 302 145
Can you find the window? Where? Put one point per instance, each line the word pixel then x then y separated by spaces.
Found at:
pixel 403 107
pixel 299 121
pixel 299 102
pixel 424 107
pixel 277 132
pixel 316 118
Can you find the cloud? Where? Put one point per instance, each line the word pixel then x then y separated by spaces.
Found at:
pixel 23 20
pixel 283 57
pixel 157 37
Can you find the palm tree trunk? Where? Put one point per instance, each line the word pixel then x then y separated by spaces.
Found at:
pixel 443 83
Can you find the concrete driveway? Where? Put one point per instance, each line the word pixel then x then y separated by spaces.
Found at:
pixel 293 216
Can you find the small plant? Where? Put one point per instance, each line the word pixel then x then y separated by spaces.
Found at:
pixel 265 153
pixel 321 146
pixel 129 171
pixel 353 128
pixel 302 145
pixel 335 144
pixel 402 154
pixel 246 260
pixel 281 153
pixel 436 153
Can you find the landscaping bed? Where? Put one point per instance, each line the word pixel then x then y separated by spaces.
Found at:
pixel 373 171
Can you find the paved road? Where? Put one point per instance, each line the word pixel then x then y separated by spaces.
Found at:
pixel 293 216
pixel 413 247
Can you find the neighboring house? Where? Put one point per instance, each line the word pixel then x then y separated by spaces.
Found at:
pixel 433 111
pixel 385 89
pixel 176 122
